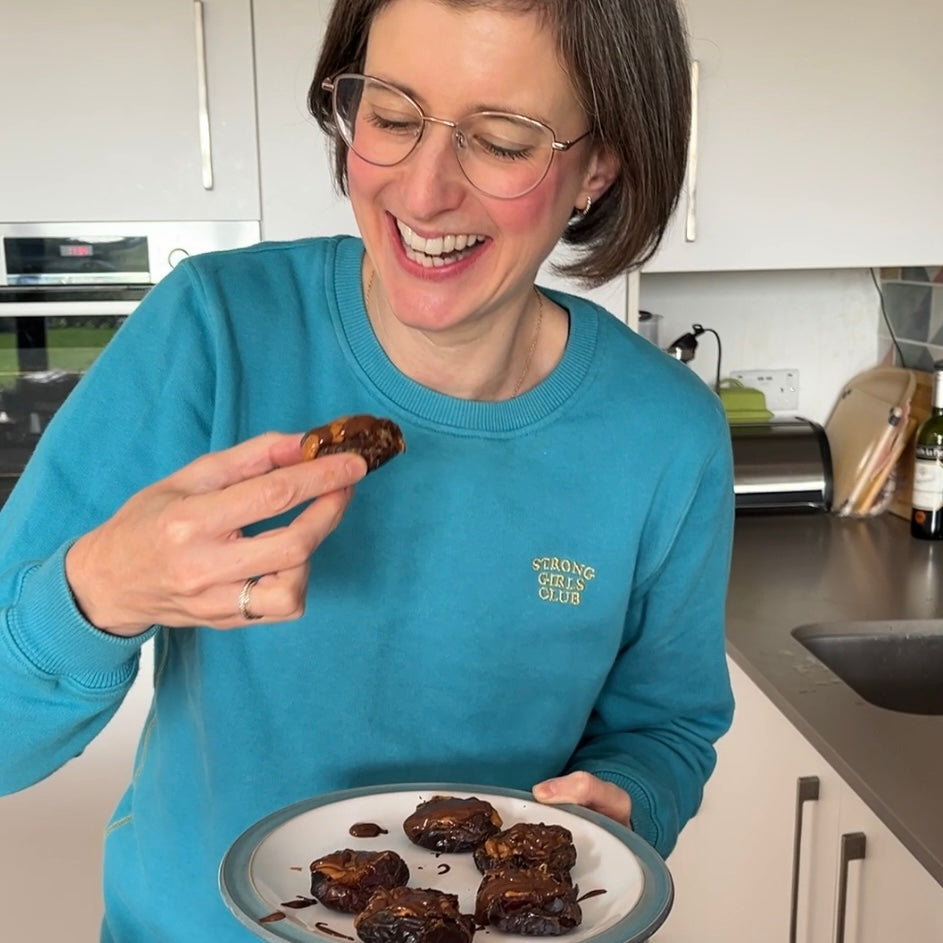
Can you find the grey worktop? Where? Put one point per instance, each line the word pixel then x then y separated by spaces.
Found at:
pixel 792 569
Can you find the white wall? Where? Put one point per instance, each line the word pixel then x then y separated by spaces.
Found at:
pixel 824 323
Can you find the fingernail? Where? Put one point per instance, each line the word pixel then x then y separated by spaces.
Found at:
pixel 545 790
pixel 356 468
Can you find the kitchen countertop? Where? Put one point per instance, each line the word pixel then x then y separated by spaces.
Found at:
pixel 793 569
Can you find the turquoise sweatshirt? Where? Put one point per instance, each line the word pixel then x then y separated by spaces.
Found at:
pixel 535 586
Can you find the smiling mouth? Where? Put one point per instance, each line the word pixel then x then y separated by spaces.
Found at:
pixel 437 252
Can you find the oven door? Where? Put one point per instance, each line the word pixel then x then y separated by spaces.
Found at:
pixel 45 348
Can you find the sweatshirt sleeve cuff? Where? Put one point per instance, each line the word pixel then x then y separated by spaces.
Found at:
pixel 53 635
pixel 641 818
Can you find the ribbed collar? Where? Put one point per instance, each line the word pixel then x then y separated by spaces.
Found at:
pixel 355 334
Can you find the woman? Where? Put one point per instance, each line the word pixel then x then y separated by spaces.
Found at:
pixel 532 596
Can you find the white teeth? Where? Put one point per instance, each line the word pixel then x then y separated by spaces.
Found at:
pixel 429 252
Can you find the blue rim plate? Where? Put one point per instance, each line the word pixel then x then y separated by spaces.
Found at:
pixel 268 864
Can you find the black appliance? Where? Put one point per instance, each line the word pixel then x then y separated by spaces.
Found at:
pixel 65 289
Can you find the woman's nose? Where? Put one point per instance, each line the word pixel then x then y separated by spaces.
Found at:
pixel 432 179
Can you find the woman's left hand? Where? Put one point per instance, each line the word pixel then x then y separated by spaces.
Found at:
pixel 581 788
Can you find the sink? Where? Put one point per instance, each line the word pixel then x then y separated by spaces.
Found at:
pixel 894 664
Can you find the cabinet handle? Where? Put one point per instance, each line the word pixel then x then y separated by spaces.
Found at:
pixel 206 142
pixel 852 849
pixel 690 226
pixel 807 790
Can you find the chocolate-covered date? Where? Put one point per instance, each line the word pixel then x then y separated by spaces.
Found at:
pixel 345 880
pixel 376 440
pixel 449 823
pixel 414 915
pixel 528 845
pixel 531 902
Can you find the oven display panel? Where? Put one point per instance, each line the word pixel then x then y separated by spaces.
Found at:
pixel 45 260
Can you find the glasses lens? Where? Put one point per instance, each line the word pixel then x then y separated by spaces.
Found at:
pixel 378 122
pixel 504 155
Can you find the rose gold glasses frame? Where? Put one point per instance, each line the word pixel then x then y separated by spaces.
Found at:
pixel 329 85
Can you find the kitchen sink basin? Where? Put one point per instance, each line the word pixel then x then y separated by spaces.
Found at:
pixel 895 664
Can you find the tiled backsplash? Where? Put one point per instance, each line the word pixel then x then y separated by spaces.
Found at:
pixel 913 301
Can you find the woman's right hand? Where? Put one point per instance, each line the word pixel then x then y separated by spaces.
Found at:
pixel 174 554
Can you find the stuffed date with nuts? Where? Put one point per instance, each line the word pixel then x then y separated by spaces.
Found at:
pixel 375 439
pixel 346 879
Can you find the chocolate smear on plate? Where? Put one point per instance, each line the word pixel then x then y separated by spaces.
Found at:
pixel 272 917
pixel 367 830
pixel 595 893
pixel 443 868
pixel 324 928
pixel 300 903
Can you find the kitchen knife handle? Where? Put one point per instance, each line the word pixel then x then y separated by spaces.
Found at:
pixel 206 141
pixel 853 846
pixel 690 224
pixel 807 790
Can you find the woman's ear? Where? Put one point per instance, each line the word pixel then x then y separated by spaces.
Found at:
pixel 601 170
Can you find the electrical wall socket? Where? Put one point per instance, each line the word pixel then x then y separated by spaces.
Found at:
pixel 781 387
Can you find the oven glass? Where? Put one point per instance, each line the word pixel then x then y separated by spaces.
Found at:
pixel 41 360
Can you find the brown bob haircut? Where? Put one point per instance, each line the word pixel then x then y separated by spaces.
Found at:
pixel 628 61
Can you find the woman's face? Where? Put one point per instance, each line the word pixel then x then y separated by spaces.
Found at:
pixel 454 62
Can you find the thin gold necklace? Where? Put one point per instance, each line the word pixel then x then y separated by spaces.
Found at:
pixel 533 344
pixel 368 303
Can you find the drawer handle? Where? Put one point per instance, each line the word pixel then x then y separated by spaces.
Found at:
pixel 807 790
pixel 853 846
pixel 206 141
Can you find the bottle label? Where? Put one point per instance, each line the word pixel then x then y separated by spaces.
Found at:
pixel 928 478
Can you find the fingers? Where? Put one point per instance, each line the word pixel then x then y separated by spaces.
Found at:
pixel 278 549
pixel 582 788
pixel 270 493
pixel 273 597
pixel 247 460
pixel 174 554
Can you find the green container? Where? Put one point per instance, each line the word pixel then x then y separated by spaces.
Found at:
pixel 743 403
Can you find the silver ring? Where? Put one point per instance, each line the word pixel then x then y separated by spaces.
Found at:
pixel 244 599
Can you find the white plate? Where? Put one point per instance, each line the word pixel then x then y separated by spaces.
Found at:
pixel 269 864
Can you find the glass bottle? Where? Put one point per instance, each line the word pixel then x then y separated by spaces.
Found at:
pixel 926 516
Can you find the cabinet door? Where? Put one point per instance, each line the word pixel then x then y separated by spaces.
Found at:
pixel 733 864
pixel 818 139
pixel 102 110
pixel 51 855
pixel 890 895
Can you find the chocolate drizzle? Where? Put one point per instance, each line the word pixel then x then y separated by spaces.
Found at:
pixel 595 893
pixel 324 928
pixel 367 830
pixel 300 903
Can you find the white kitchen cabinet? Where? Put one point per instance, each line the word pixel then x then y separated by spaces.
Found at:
pixel 890 895
pixel 102 111
pixel 818 139
pixel 734 863
pixel 51 851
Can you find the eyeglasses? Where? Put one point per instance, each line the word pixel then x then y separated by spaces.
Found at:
pixel 501 154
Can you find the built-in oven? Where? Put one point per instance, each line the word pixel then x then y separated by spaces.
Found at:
pixel 65 289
